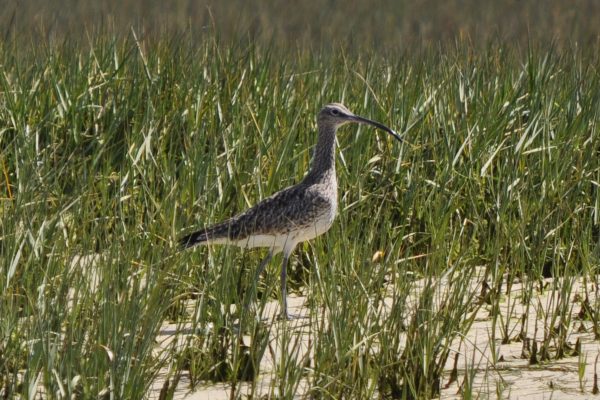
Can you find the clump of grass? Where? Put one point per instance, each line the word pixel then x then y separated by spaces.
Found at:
pixel 110 149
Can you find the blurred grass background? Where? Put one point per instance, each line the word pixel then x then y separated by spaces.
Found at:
pixel 378 24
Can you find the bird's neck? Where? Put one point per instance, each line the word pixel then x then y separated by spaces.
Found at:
pixel 323 163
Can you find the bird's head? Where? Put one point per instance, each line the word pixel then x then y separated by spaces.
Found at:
pixel 335 115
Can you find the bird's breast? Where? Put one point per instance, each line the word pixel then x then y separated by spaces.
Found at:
pixel 317 227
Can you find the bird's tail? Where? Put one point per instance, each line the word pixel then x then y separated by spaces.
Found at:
pixel 193 239
pixel 215 234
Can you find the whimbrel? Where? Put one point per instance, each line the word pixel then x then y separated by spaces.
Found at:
pixel 292 215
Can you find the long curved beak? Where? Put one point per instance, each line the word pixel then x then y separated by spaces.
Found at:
pixel 362 120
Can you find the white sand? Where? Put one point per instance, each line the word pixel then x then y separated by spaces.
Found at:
pixel 516 378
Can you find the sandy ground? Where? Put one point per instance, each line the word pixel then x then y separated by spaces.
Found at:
pixel 511 375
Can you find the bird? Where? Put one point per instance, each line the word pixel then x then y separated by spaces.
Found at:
pixel 295 214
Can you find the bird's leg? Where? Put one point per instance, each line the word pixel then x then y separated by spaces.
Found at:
pixel 259 271
pixel 262 266
pixel 284 313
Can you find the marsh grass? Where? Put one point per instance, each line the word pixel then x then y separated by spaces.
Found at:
pixel 111 149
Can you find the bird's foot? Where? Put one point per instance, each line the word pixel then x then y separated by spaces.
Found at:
pixel 285 316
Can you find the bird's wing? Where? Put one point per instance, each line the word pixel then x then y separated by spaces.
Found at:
pixel 294 207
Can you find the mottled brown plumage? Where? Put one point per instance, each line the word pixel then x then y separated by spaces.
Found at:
pixel 283 212
pixel 295 214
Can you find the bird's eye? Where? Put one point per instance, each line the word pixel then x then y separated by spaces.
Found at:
pixel 335 112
